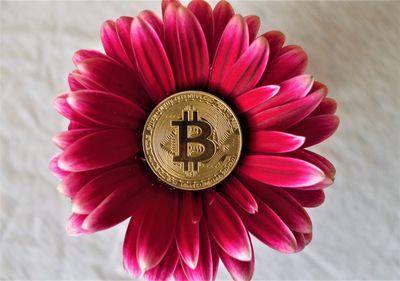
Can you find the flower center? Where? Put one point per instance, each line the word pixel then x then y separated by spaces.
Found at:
pixel 192 140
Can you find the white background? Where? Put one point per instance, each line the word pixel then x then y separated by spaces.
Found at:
pixel 353 47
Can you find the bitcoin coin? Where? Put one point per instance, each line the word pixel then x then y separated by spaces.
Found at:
pixel 192 140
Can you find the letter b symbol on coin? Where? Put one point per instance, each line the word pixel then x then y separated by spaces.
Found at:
pixel 184 140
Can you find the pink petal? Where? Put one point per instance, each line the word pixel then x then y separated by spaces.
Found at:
pixel 74 225
pixel 284 205
pixel 123 27
pixel 114 46
pixel 204 14
pixel 227 229
pixel 187 232
pixel 157 229
pixel 327 106
pixel 65 139
pixel 269 228
pixel 154 68
pixel 276 39
pixel 204 268
pixel 84 82
pixel 273 142
pixel 246 72
pixel 234 41
pixel 72 183
pixel 253 24
pixel 308 198
pixel 74 84
pixel 165 269
pixel 114 78
pixel 179 274
pixel 96 190
pixel 197 207
pixel 165 4
pixel 130 261
pixel 215 259
pixel 54 166
pixel 287 115
pixel 234 191
pixel 222 14
pixel 316 129
pixel 290 90
pixel 186 47
pixel 129 199
pixel 290 62
pixel 100 149
pixel 239 270
pixel 155 22
pixel 84 54
pixel 108 109
pixel 255 97
pixel 300 240
pixel 280 171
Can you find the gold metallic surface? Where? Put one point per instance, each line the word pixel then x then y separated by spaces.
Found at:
pixel 192 140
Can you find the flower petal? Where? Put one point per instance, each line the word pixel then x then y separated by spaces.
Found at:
pixel 154 68
pixel 204 268
pixel 157 229
pixel 227 229
pixel 179 274
pixel 222 14
pixel 327 106
pixel 100 149
pixel 165 4
pixel 234 41
pixel 269 228
pixel 74 225
pixel 273 142
pixel 316 129
pixel 155 22
pixel 72 183
pixel 255 97
pixel 276 39
pixel 234 191
pixel 130 261
pixel 204 14
pixel 55 168
pixel 165 269
pixel 287 115
pixel 197 204
pixel 290 62
pixel 107 109
pixel 280 171
pixel 308 198
pixel 187 47
pixel 239 270
pixel 65 139
pixel 246 72
pixel 253 24
pixel 187 231
pixel 84 54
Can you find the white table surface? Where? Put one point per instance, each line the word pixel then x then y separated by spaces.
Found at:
pixel 353 47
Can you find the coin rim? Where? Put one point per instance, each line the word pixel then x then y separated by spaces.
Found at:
pixel 171 97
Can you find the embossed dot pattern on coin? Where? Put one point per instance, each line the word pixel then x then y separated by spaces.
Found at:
pixel 192 140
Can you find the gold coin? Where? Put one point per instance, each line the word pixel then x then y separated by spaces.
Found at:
pixel 192 140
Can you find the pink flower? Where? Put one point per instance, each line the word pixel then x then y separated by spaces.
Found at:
pixel 180 233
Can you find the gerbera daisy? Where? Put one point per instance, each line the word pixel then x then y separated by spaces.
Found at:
pixel 281 112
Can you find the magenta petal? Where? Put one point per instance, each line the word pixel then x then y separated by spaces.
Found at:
pixel 74 83
pixel 107 109
pixel 287 115
pixel 255 97
pixel 300 240
pixel 54 166
pixel 273 142
pixel 253 24
pixel 187 231
pixel 308 198
pixel 204 268
pixel 72 183
pixel 155 22
pixel 197 203
pixel 276 39
pixel 129 249
pixel 234 41
pixel 234 191
pixel 74 225
pixel 228 229
pixel 179 274
pixel 65 139
pixel 84 54
pixel 165 4
pixel 123 27
pixel 239 270
pixel 222 13
pixel 316 129
pixel 154 68
pixel 246 72
pixel 100 149
pixel 327 106
pixel 290 62
pixel 157 229
pixel 165 269
pixel 280 171
pixel 269 228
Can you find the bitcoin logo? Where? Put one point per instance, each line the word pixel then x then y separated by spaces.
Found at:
pixel 202 138
pixel 192 140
